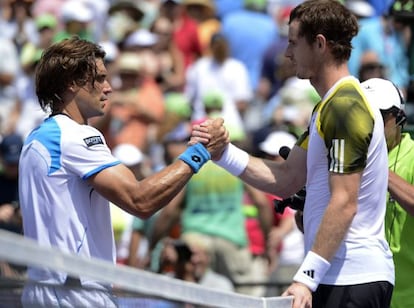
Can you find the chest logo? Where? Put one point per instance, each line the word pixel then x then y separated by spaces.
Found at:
pixel 94 140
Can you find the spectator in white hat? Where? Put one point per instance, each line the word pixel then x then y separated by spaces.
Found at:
pixel 75 17
pixel 124 17
pixel 274 142
pixel 399 220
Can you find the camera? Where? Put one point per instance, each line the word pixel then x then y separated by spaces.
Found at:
pixel 296 202
pixel 183 251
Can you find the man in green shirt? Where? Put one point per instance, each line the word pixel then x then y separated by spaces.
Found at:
pixel 399 220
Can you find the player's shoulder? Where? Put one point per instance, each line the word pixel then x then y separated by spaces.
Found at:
pixel 72 132
pixel 343 99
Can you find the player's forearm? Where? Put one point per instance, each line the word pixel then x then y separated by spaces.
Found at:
pixel 272 177
pixel 142 198
pixel 335 224
pixel 159 189
pixel 266 175
pixel 332 229
pixel 401 191
pixel 339 213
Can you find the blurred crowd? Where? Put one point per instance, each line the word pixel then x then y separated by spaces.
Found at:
pixel 172 63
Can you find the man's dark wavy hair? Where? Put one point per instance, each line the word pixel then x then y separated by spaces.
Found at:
pixel 71 61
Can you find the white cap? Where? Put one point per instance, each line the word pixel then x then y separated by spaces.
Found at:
pixel 383 93
pixel 360 8
pixel 275 140
pixel 75 10
pixel 141 38
pixel 111 50
pixel 129 62
pixel 128 154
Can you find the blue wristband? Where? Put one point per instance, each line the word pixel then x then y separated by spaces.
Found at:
pixel 195 156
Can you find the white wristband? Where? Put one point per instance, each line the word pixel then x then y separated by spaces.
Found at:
pixel 234 160
pixel 312 270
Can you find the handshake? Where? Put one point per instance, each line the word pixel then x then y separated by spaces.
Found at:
pixel 213 135
pixel 215 138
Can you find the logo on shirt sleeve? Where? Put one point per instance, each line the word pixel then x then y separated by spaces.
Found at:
pixel 94 140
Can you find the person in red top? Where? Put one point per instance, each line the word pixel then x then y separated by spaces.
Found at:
pixel 185 33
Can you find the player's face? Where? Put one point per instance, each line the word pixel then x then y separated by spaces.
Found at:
pixel 93 98
pixel 300 52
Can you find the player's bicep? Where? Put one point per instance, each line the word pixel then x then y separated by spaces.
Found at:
pixel 117 184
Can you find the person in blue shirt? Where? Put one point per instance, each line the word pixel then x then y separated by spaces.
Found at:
pixel 250 31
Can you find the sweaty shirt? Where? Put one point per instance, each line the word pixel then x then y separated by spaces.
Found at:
pixel 346 135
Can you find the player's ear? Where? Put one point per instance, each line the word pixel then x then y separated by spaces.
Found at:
pixel 320 41
pixel 73 87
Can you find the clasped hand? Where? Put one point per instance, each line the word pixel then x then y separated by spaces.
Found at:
pixel 213 135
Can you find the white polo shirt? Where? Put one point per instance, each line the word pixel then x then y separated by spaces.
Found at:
pixel 59 208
